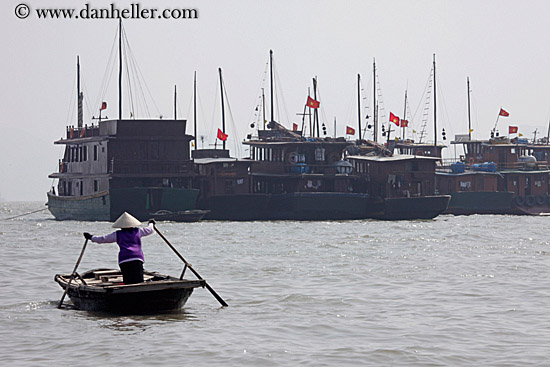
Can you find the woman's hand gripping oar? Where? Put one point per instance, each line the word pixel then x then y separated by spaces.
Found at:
pixel 220 300
pixel 73 274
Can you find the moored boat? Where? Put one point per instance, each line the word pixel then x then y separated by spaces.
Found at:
pixel 102 290
pixel 179 216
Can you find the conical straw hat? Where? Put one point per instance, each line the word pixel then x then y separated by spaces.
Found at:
pixel 126 221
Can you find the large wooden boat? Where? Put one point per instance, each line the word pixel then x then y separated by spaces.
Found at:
pixel 102 290
pixel 403 184
pixel 139 166
pixel 497 176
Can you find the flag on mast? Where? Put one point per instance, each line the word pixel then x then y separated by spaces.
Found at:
pixel 311 103
pixel 503 113
pixel 512 129
pixel 350 130
pixel 394 119
pixel 222 136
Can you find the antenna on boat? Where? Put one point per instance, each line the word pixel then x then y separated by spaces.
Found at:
pixel 404 114
pixel 358 104
pixel 79 96
pixel 469 116
pixel 223 107
pixel 175 101
pixel 195 107
pixel 435 111
pixel 271 80
pixel 120 69
pixel 375 134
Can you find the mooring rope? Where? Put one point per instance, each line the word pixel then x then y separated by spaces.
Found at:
pixel 22 215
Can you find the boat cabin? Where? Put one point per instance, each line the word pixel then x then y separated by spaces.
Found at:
pixel 396 176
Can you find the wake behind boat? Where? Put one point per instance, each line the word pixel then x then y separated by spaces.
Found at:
pixel 103 290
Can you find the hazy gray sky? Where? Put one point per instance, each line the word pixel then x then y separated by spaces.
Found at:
pixel 502 46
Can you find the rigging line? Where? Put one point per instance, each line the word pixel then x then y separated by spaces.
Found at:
pixel 71 104
pixel 140 75
pixel 109 70
pixel 87 101
pixel 130 102
pixel 448 125
pixel 233 125
pixel 259 106
pixel 283 103
pixel 203 114
pixel 214 119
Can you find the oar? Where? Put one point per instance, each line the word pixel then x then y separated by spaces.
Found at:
pixel 73 273
pixel 220 300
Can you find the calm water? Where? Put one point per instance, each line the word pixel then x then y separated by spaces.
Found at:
pixel 454 291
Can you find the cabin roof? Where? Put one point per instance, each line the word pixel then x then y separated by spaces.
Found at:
pixel 308 141
pixel 395 158
pixel 220 160
pixel 468 173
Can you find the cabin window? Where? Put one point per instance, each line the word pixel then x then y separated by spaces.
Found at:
pixel 95 152
pixel 70 188
pixel 85 152
pixel 513 150
pixel 154 150
pixel 465 185
pixel 81 188
pixel 320 154
pixel 80 154
pixel 96 186
pixel 240 181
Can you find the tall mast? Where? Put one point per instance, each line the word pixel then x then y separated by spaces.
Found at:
pixel 223 106
pixel 271 80
pixel 359 103
pixel 120 69
pixel 404 115
pixel 195 107
pixel 435 112
pixel 315 114
pixel 79 96
pixel 263 107
pixel 175 102
pixel 469 117
pixel 375 135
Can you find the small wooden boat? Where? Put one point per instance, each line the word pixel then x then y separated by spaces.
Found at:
pixel 179 216
pixel 103 290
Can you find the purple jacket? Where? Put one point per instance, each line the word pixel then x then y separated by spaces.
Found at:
pixel 129 242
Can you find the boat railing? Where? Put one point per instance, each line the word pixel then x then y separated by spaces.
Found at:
pixel 151 166
pixel 447 165
pixel 82 132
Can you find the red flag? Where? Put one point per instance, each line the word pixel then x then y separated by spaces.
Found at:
pixel 311 103
pixel 294 127
pixel 350 130
pixel 103 106
pixel 503 113
pixel 404 123
pixel 512 129
pixel 394 119
pixel 221 135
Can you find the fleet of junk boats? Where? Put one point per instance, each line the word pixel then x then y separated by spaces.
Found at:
pixel 150 169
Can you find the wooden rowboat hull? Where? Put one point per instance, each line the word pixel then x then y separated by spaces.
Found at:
pixel 94 291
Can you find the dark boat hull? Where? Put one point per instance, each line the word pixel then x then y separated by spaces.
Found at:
pixel 318 206
pixel 163 295
pixel 108 206
pixel 423 207
pixel 180 216
pixel 240 207
pixel 482 202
